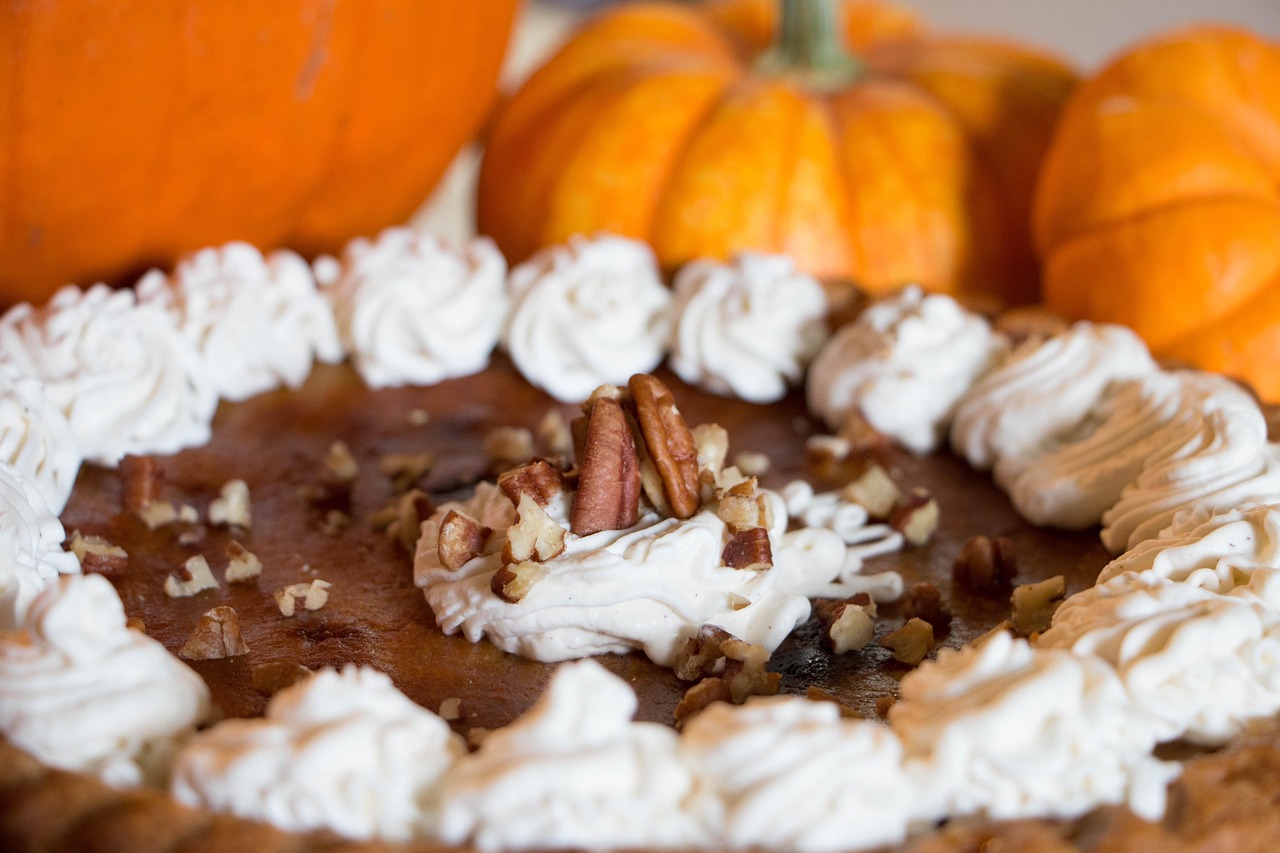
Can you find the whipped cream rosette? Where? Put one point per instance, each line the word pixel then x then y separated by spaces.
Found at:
pixel 36 438
pixel 31 555
pixel 589 312
pixel 258 322
pixel 1045 389
pixel 902 365
pixel 412 310
pixel 80 691
pixel 344 751
pixel 1009 731
pixel 122 372
pixel 1199 664
pixel 747 328
pixel 786 773
pixel 574 771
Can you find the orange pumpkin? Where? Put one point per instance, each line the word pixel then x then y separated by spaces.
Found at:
pixel 912 161
pixel 1159 205
pixel 135 131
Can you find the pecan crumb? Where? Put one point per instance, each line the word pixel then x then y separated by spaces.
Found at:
pixel 861 435
pixel 924 601
pixel 243 565
pixel 402 519
pixel 451 709
pixel 96 554
pixel 312 596
pixel 418 417
pixel 162 513
pixel 985 564
pixel 406 469
pixel 232 507
pixel 272 677
pixel 334 522
pixel 193 536
pixel 884 703
pixel 752 464
pixel 875 491
pixel 195 577
pixel 216 636
pixel 1035 603
pixel 508 446
pixel 911 642
pixel 340 465
pixel 814 693
pixel 555 435
pixel 916 517
pixel 827 449
pixel 136 623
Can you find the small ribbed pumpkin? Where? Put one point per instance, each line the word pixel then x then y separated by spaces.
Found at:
pixel 137 130
pixel 869 151
pixel 1159 204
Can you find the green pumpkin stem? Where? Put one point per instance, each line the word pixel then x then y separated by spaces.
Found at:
pixel 810 46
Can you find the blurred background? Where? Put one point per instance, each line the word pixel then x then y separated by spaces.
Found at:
pixel 1087 32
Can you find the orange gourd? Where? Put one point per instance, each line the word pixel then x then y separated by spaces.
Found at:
pixel 1159 204
pixel 911 159
pixel 134 131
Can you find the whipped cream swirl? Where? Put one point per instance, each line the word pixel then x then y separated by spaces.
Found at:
pixel 1220 552
pixel 413 311
pixel 1044 390
pixel 790 774
pixel 648 587
pixel 1010 731
pixel 80 691
pixel 121 371
pixel 343 751
pixel 746 328
pixel 1201 665
pixel 574 771
pixel 591 312
pixel 903 364
pixel 1213 454
pixel 36 438
pixel 259 323
pixel 31 555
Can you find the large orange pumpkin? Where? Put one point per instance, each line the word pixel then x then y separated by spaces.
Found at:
pixel 912 160
pixel 134 131
pixel 1159 205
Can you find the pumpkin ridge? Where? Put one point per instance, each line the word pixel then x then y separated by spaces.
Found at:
pixel 844 186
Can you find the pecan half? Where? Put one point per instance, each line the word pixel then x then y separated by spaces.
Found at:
pixel 669 442
pixel 216 636
pixel 609 473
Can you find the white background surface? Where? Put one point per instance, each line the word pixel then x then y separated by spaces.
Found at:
pixel 1087 32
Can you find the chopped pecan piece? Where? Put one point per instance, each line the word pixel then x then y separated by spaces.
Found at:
pixel 741 665
pixel 555 435
pixel 825 450
pixel 698 697
pixel 924 600
pixel 741 508
pixel 340 465
pixel 450 709
pixel 194 578
pixel 402 518
pixel 512 582
pixel 313 596
pixel 272 677
pixel 161 513
pixel 243 565
pixel 508 446
pixel 850 627
pixel 406 469
pixel 875 491
pixel 814 693
pixel 985 564
pixel 916 517
pixel 861 435
pixel 1035 603
pixel 911 642
pixel 232 506
pixel 752 464
pixel 748 550
pixel 538 479
pixel 98 555
pixel 535 536
pixel 141 478
pixel 700 654
pixel 884 703
pixel 216 636
pixel 668 441
pixel 609 473
pixel 461 539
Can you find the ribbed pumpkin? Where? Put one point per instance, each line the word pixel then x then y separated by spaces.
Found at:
pixel 1159 205
pixel 911 159
pixel 135 130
